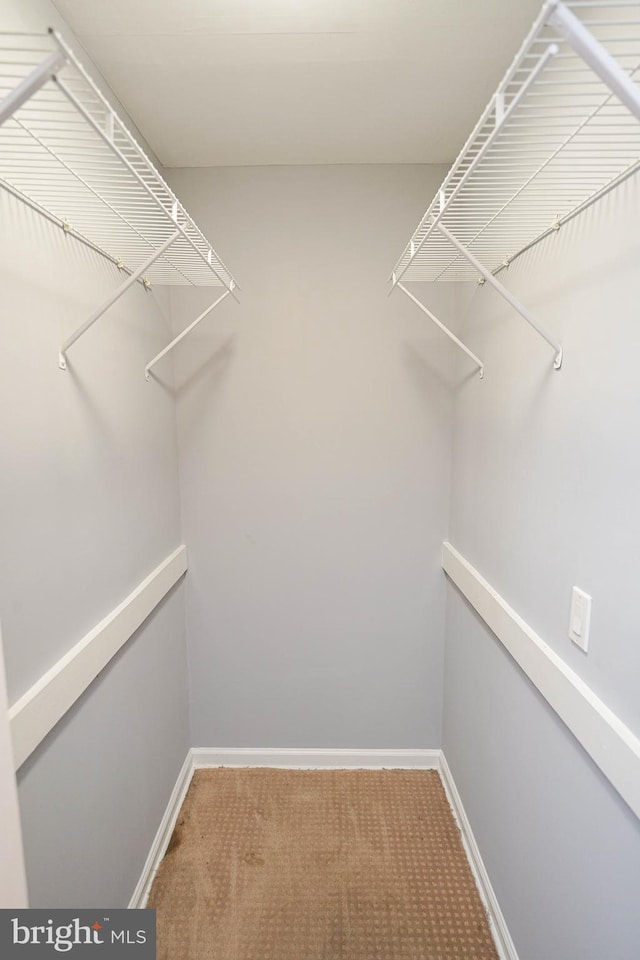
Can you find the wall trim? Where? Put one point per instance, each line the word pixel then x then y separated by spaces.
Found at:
pixel 314 759
pixel 501 936
pixel 13 878
pixel 607 740
pixel 163 835
pixel 37 712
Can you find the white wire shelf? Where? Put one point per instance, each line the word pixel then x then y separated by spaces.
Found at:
pixel 561 131
pixel 66 153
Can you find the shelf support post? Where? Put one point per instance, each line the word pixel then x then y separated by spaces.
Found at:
pixel 31 84
pixel 595 56
pixel 181 336
pixel 444 329
pixel 62 356
pixel 506 294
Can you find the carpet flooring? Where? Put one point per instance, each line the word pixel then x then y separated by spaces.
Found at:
pixel 271 864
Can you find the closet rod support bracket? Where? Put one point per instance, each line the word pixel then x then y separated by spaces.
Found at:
pixel 31 84
pixel 129 282
pixel 187 330
pixel 444 329
pixel 504 293
pixel 595 56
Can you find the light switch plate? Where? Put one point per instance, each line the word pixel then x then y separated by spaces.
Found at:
pixel 580 618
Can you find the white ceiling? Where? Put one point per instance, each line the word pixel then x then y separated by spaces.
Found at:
pixel 235 82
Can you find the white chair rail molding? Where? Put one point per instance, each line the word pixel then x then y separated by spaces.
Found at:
pixel 38 710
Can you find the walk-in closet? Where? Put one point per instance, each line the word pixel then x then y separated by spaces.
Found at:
pixel 320 478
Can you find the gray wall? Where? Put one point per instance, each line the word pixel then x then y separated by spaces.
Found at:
pixel 546 476
pixel 314 426
pixel 315 423
pixel 89 506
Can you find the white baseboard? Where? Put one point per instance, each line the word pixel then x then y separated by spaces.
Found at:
pixel 161 840
pixel 501 936
pixel 314 759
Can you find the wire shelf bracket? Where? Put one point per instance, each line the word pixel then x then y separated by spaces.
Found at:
pixel 595 55
pixel 185 332
pixel 129 282
pixel 560 132
pixel 67 155
pixel 504 292
pixel 27 87
pixel 444 329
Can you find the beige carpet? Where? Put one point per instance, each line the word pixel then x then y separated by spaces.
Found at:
pixel 318 865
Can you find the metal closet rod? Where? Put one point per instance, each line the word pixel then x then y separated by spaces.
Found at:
pixel 574 213
pixel 65 226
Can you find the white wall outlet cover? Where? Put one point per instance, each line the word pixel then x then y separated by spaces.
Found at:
pixel 580 618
